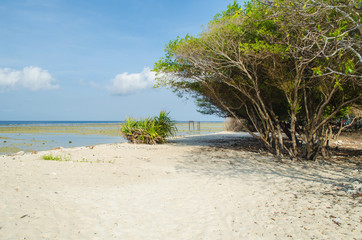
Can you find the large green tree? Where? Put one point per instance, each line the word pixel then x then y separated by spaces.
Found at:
pixel 287 67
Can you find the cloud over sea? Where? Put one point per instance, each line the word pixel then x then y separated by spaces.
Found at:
pixel 127 83
pixel 30 78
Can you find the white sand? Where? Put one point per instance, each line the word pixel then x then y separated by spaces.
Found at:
pixel 187 189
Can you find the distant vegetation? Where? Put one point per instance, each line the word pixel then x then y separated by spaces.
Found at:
pixel 149 130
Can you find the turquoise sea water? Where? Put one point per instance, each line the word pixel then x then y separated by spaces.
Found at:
pixel 30 136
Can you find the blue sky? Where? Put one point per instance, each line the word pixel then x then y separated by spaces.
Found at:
pixel 91 60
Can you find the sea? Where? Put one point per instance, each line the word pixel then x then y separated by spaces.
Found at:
pixel 31 136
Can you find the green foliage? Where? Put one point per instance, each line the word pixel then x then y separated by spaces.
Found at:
pixel 58 158
pixel 279 64
pixel 65 158
pixel 232 10
pixel 149 130
pixel 349 67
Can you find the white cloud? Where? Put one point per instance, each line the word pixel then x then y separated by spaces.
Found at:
pixel 31 78
pixel 126 83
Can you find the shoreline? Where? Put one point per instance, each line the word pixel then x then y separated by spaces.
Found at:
pixel 44 137
pixel 190 188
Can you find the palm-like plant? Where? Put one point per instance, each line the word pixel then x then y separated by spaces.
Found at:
pixel 149 130
pixel 166 125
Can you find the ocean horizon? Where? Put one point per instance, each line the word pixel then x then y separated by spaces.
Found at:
pixel 31 136
pixel 36 122
pixel 53 122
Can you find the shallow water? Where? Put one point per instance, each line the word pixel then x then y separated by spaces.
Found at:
pixel 38 137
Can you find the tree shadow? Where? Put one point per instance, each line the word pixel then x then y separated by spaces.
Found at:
pixel 218 139
pixel 240 155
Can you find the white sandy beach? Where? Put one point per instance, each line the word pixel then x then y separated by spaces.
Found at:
pixel 187 189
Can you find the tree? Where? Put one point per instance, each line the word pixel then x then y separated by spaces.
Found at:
pixel 285 66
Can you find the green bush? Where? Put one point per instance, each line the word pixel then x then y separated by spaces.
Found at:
pixel 149 130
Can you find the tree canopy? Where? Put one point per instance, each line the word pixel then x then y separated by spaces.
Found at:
pixel 288 67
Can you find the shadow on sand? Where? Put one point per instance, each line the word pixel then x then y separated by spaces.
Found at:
pixel 238 155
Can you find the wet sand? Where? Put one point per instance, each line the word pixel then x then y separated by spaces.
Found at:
pixel 38 137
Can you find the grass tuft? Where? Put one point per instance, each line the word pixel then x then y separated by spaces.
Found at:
pixel 59 158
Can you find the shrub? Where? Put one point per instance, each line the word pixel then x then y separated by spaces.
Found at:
pixel 233 125
pixel 149 130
